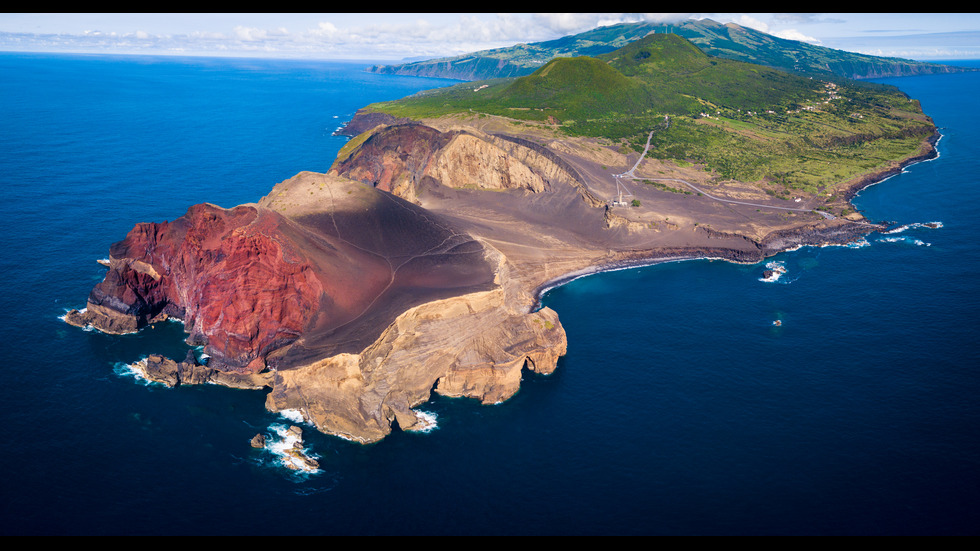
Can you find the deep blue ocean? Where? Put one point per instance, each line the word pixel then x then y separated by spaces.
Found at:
pixel 679 409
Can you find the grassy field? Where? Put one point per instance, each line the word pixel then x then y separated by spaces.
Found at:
pixel 743 122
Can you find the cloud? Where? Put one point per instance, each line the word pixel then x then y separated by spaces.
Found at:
pixel 793 34
pixel 806 19
pixel 564 23
pixel 344 35
pixel 421 36
pixel 561 24
pixel 752 23
pixel 797 18
pixel 249 34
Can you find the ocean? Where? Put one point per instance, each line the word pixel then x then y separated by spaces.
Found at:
pixel 680 408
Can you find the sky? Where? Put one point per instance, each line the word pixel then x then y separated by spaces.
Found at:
pixel 400 36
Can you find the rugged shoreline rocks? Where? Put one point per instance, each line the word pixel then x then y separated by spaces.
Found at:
pixel 415 265
pixel 350 326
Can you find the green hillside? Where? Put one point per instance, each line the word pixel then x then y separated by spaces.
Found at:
pixel 573 87
pixel 743 121
pixel 728 41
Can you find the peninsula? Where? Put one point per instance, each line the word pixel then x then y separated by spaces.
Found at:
pixel 415 264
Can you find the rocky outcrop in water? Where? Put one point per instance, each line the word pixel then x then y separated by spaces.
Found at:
pixel 352 304
pixel 413 267
pixel 240 284
pixel 160 369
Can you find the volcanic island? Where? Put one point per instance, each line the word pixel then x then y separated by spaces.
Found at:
pixel 416 262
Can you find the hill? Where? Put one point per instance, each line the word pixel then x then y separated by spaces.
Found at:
pixel 416 264
pixel 729 41
pixel 743 121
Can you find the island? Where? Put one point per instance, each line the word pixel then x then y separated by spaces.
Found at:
pixel 416 263
pixel 728 40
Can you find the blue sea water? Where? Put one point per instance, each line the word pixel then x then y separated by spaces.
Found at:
pixel 679 409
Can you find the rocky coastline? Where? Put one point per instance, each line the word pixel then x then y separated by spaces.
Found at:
pixel 927 152
pixel 775 244
pixel 353 295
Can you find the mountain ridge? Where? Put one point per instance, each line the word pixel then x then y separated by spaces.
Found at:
pixel 415 265
pixel 730 41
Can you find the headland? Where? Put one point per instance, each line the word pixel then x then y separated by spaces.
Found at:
pixel 416 263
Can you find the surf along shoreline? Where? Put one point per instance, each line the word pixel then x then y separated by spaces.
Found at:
pixel 834 237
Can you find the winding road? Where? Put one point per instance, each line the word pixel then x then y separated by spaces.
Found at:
pixel 630 175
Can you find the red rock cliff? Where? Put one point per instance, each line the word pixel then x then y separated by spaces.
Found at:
pixel 229 274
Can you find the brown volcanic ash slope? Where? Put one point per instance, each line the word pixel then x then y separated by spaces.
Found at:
pixel 412 267
pixel 544 203
pixel 360 302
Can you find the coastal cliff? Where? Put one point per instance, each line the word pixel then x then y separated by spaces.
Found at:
pixel 414 266
pixel 417 262
pixel 350 303
pixel 215 269
pixel 474 346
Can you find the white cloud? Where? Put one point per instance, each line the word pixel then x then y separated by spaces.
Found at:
pixel 378 36
pixel 665 17
pixel 324 28
pixel 249 34
pixel 567 22
pixel 753 23
pixel 793 34
pixel 396 36
pixel 796 18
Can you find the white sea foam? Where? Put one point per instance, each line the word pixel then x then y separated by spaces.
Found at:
pixel 426 421
pixel 899 229
pixel 778 268
pixel 287 451
pixel 858 244
pixel 64 318
pixel 136 370
pixel 294 415
pixel 910 240
pixel 287 439
pixel 905 168
pixel 904 227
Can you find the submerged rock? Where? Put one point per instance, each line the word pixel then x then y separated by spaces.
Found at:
pixel 291 450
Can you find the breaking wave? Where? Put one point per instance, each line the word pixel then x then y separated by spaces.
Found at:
pixel 910 240
pixel 427 421
pixel 776 270
pixel 289 451
pixel 135 370
pixel 904 227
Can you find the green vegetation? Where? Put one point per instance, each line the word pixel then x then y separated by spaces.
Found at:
pixel 350 147
pixel 665 187
pixel 744 122
pixel 729 41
